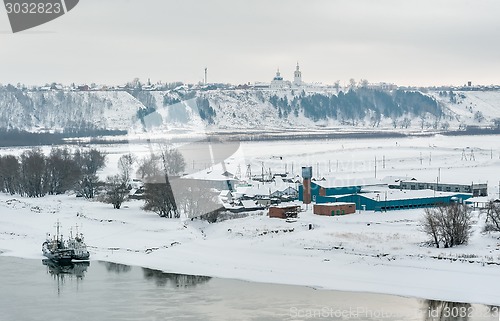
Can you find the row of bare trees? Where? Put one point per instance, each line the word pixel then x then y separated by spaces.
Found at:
pixel 34 174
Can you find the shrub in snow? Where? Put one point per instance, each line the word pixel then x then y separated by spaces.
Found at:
pixel 492 217
pixel 448 225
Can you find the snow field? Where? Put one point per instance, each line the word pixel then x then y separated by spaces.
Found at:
pixel 366 251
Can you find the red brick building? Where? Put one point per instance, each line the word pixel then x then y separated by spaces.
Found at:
pixel 332 209
pixel 284 211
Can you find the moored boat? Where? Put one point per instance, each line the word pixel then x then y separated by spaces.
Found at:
pixel 60 251
pixel 78 247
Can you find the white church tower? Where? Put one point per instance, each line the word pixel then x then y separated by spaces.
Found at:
pixel 297 76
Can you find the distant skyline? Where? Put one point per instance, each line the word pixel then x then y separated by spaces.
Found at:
pixel 409 43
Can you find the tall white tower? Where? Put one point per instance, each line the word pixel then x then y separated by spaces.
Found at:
pixel 297 76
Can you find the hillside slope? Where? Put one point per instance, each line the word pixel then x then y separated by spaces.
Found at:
pixel 478 108
pixel 196 109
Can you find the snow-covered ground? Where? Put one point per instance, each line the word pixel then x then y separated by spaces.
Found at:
pixel 366 251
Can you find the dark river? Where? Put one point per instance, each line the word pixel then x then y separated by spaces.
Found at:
pixel 36 290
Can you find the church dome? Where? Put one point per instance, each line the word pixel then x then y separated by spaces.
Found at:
pixel 278 75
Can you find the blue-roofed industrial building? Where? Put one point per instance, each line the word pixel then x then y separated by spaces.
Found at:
pixel 396 200
pixel 373 195
pixel 335 187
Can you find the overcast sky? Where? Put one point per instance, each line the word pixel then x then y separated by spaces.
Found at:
pixel 407 42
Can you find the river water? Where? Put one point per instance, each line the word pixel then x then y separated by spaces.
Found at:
pixel 39 290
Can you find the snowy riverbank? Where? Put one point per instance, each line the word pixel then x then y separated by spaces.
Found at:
pixel 367 252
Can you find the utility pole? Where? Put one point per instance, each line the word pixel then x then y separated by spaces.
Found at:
pixel 238 172
pixel 375 166
pixel 249 171
pixel 206 74
pixel 383 166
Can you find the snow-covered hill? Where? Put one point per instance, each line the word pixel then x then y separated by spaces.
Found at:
pixel 57 110
pixel 479 108
pixel 243 109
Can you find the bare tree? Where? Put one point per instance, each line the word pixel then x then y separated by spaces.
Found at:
pixel 173 161
pixel 159 198
pixel 492 217
pixel 406 122
pixel 436 122
pixel 423 121
pixel 116 191
pixel 169 161
pixel 394 122
pixel 33 173
pixel 158 193
pixel 90 162
pixel 149 166
pixel 9 174
pixel 457 225
pixel 448 225
pixel 125 163
pixel 195 198
pixel 62 171
pixel 430 224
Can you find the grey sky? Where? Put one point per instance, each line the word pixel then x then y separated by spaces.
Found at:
pixel 408 42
